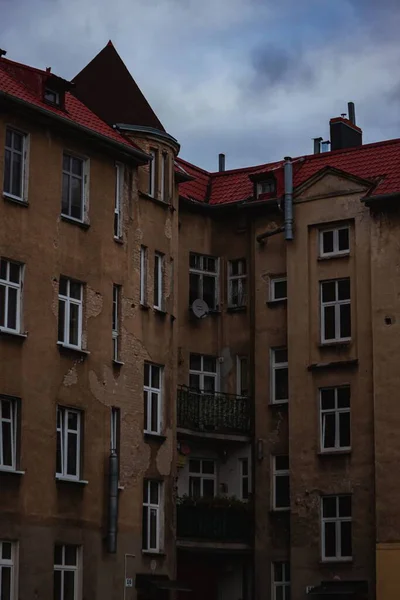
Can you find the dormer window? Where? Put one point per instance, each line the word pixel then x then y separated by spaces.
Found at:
pixel 52 96
pixel 267 186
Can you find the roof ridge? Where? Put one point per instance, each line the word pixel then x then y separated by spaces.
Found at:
pixel 27 67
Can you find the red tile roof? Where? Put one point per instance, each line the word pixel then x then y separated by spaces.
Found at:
pixel 378 162
pixel 26 84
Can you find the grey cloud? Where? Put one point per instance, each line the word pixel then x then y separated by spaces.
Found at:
pixel 274 66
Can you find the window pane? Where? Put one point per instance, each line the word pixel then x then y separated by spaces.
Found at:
pixel 343 396
pixel 330 539
pixel 329 506
pixel 281 384
pixel 63 286
pixel 12 308
pixel 346 545
pixel 74 324
pixel 194 465
pixel 194 287
pixel 9 136
pixel 343 239
pixel 61 320
pixel 234 267
pixel 328 291
pixel 57 585
pixel 145 527
pixel 280 289
pixel 6 550
pixel 7 444
pixel 209 264
pixel 154 412
pixel 75 290
pixel 194 382
pixel 194 261
pixel 281 463
pixel 345 321
pixel 195 362
pixel 208 488
pixel 77 166
pixel 327 241
pixel 195 487
pixel 72 454
pixel 344 429
pixel 2 305
pixel 146 374
pixel 329 324
pixel 328 398
pixel 208 467
pixel 72 420
pixel 59 454
pixel 328 430
pixel 344 289
pixel 209 384
pixel 16 183
pixel 3 269
pixel 282 495
pixel 209 364
pixel 155 377
pixel 281 355
pixel 66 162
pixel 76 198
pixel 65 194
pixel 70 555
pixel 154 488
pixel 5 573
pixel 153 528
pixel 69 585
pixel 345 506
pixel 7 171
pixel 5 406
pixel 245 488
pixel 15 271
pixel 235 292
pixel 279 593
pixel 209 290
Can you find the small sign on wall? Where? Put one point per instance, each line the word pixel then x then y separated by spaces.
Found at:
pixel 129 582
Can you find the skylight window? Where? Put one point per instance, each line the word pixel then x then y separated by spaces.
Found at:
pixel 52 96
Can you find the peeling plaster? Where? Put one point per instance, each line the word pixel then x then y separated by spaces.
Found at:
pixel 164 455
pixel 94 303
pixel 168 229
pixel 71 377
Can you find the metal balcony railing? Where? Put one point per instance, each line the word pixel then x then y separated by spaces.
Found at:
pixel 217 524
pixel 213 412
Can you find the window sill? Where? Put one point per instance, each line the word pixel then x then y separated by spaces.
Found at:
pixel 337 364
pixel 118 240
pixel 279 510
pixel 117 363
pixel 159 311
pixel 335 343
pixel 156 437
pixel 14 200
pixel 163 203
pixel 333 256
pixel 332 452
pixel 234 309
pixel 280 404
pixel 278 302
pixel 66 348
pixel 73 221
pixel 61 479
pixel 14 334
pixel 11 471
pixel 329 561
pixel 154 552
pixel 144 306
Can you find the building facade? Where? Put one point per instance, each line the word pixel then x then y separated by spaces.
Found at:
pixel 197 370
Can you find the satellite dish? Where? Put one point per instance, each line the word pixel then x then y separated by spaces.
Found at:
pixel 200 308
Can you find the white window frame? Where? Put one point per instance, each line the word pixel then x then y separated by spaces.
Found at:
pixel 119 188
pixel 275 474
pixel 116 304
pixel 336 411
pixel 143 275
pixel 272 292
pixel 241 279
pixel 159 280
pixel 164 177
pixel 85 186
pixel 149 390
pixel 201 272
pixel 203 476
pixel 337 304
pixel 202 373
pixel 68 301
pixel 12 565
pixel 338 520
pixel 243 477
pixel 153 172
pixel 158 509
pixel 7 284
pixel 239 361
pixel 24 164
pixel 76 569
pixel 11 422
pixel 275 366
pixel 335 251
pixel 284 583
pixel 63 432
pixel 270 182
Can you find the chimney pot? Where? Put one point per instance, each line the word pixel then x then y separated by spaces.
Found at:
pixel 317 145
pixel 221 162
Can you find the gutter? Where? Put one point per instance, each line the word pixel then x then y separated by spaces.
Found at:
pixel 372 200
pixel 138 155
pixel 240 204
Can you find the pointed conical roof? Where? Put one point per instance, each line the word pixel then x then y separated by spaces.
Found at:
pixel 108 89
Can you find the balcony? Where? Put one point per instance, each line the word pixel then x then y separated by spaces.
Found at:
pixel 207 523
pixel 213 413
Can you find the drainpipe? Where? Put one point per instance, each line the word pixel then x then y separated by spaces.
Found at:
pixel 288 173
pixel 112 503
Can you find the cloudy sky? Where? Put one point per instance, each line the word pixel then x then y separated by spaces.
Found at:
pixel 256 79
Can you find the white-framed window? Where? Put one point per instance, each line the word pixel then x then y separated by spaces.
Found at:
pixel 15 164
pixel 8 433
pixel 277 289
pixel 143 275
pixel 203 373
pixel 164 177
pixel 116 309
pixel 279 375
pixel 335 310
pixel 70 309
pixel 237 283
pixel 202 478
pixel 8 570
pixel 268 186
pixel 204 279
pixel 334 241
pixel 280 483
pixel 67 572
pixel 245 488
pixel 280 581
pixel 69 446
pixel 153 398
pixel 158 281
pixel 152 515
pixel 336 527
pixel 115 424
pixel 153 172
pixel 11 274
pixel 74 184
pixel 335 418
pixel 242 376
pixel 119 190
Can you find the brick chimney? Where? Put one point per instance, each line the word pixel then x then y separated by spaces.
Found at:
pixel 344 132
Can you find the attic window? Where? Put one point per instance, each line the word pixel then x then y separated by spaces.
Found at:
pixel 52 96
pixel 267 186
